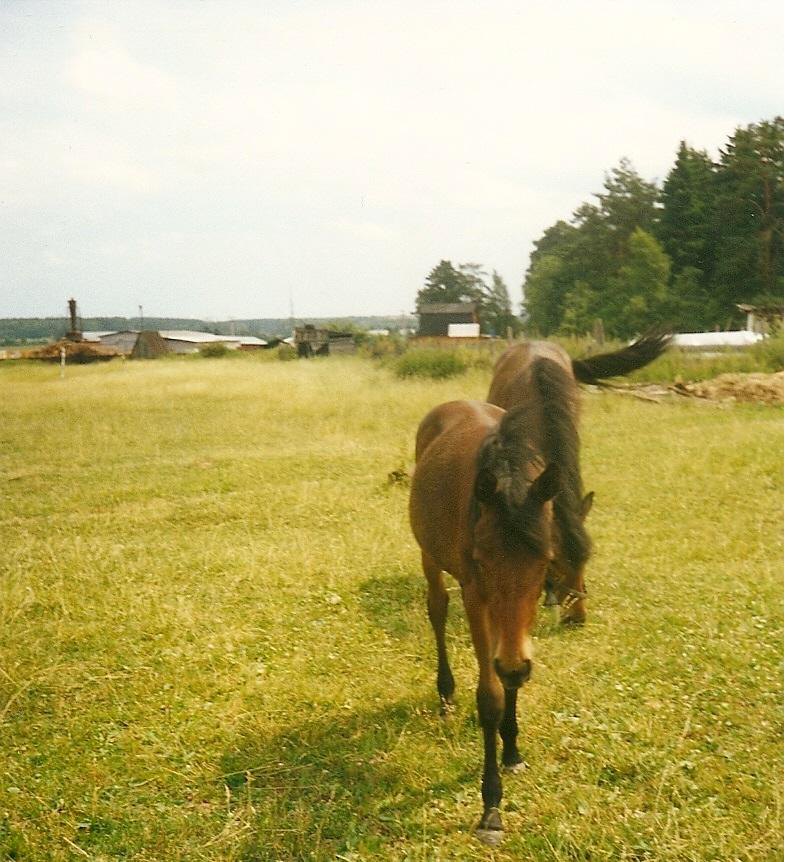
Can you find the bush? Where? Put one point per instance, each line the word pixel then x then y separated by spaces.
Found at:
pixel 214 349
pixel 286 352
pixel 384 346
pixel 769 352
pixel 436 364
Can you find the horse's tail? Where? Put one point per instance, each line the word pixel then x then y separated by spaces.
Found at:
pixel 644 350
pixel 560 446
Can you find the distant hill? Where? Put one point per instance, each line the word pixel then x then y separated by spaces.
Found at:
pixel 25 330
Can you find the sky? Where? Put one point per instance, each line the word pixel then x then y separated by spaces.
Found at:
pixel 224 159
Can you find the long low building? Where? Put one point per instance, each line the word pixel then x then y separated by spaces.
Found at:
pixel 177 340
pixel 737 338
pixel 185 341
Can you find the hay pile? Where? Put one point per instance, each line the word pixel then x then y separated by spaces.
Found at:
pixel 78 352
pixel 759 388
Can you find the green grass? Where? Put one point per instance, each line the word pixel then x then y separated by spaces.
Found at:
pixel 213 644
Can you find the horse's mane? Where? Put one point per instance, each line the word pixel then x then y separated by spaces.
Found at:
pixel 560 444
pixel 544 431
pixel 502 480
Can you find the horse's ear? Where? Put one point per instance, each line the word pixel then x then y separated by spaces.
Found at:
pixel 485 486
pixel 586 504
pixel 545 487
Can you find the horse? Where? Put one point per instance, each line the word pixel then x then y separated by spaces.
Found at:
pixel 481 509
pixel 513 384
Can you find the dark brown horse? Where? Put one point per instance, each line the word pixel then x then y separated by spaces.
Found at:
pixel 480 509
pixel 519 379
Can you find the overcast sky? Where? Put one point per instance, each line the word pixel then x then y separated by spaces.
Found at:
pixel 212 159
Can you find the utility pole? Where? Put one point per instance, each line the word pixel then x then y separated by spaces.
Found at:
pixel 141 318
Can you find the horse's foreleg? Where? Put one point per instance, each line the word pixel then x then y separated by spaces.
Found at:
pixel 437 601
pixel 490 712
pixel 509 730
pixel 490 701
pixel 571 599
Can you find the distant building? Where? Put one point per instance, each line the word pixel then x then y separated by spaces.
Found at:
pixel 738 338
pixel 437 317
pixel 187 341
pixel 124 340
pixel 311 341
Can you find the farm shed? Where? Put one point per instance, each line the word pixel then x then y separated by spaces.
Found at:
pixel 437 317
pixel 311 341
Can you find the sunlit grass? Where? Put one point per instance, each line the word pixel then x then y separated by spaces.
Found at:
pixel 213 644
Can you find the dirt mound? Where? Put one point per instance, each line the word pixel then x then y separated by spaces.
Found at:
pixel 76 352
pixel 725 389
pixel 759 388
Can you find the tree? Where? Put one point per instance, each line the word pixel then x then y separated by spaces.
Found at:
pixel 639 295
pixel 446 283
pixel 575 269
pixel 470 283
pixel 497 309
pixel 629 202
pixel 749 215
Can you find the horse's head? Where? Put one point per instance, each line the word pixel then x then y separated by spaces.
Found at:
pixel 512 548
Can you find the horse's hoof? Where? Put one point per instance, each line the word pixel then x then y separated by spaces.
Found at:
pixel 572 622
pixel 489 837
pixel 489 829
pixel 514 767
pixel 446 708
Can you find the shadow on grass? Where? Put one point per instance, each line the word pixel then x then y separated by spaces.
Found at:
pixel 396 604
pixel 335 784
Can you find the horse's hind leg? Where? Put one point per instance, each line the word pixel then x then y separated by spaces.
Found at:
pixel 437 601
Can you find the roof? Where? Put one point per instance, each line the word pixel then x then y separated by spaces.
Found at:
pixel 209 337
pixel 98 335
pixel 446 308
pixel 190 335
pixel 737 338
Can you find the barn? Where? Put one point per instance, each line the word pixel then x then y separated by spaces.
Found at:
pixel 436 318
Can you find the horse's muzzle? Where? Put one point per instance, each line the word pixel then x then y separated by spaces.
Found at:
pixel 513 678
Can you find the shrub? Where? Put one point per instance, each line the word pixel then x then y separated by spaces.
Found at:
pixel 769 352
pixel 286 352
pixel 214 349
pixel 384 346
pixel 436 364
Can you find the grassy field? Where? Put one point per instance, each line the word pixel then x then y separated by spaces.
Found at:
pixel 214 646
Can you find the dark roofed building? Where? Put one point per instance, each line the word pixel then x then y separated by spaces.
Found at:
pixel 436 317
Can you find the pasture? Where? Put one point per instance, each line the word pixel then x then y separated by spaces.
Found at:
pixel 214 644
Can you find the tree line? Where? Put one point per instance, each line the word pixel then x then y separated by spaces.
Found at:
pixel 682 254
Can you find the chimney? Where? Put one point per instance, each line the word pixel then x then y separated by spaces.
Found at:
pixel 73 333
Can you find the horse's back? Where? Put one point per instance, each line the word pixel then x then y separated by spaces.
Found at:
pixel 510 384
pixel 446 450
pixel 459 417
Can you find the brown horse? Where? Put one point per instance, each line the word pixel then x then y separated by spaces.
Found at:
pixel 518 380
pixel 480 509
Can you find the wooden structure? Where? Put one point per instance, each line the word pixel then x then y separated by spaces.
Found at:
pixel 436 317
pixel 310 341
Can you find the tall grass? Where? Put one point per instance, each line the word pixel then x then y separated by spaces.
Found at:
pixel 213 642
